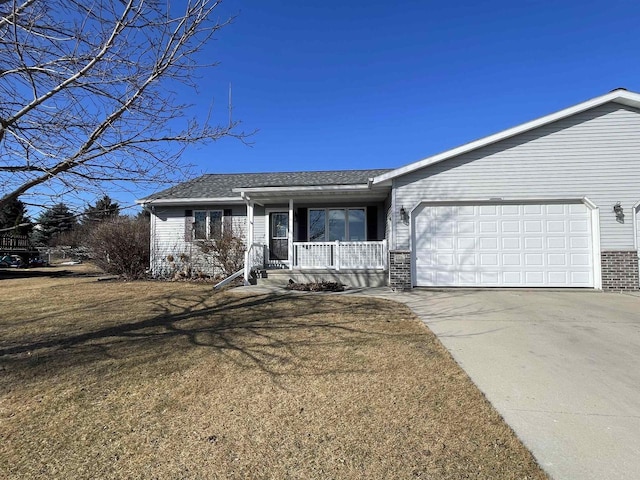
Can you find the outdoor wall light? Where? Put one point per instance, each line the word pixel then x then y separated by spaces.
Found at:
pixel 404 216
pixel 619 211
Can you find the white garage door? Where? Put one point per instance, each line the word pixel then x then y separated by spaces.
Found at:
pixel 546 245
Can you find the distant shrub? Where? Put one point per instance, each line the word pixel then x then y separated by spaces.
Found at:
pixel 121 246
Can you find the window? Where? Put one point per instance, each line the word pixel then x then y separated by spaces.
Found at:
pixel 331 224
pixel 207 224
pixel 317 220
pixel 279 225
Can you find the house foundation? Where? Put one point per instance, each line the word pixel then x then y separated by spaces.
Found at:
pixel 400 269
pixel 620 270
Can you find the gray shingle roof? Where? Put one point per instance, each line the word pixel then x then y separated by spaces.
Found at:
pixel 216 185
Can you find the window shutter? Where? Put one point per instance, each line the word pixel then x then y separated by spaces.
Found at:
pixel 227 219
pixel 302 224
pixel 372 223
pixel 188 225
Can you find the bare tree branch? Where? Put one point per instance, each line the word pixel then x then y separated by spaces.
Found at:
pixel 87 89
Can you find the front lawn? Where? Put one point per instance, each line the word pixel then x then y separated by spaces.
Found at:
pixel 172 380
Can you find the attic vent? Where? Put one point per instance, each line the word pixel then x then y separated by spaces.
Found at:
pixel 619 88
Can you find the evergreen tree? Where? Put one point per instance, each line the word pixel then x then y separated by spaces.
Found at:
pixel 144 214
pixel 104 209
pixel 52 222
pixel 13 214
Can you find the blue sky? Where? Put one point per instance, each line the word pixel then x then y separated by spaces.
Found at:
pixel 355 84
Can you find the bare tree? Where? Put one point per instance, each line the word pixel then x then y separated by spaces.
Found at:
pixel 89 92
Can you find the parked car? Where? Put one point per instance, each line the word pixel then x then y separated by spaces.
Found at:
pixel 13 261
pixel 38 262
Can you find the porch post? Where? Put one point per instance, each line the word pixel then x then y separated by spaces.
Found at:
pixel 249 244
pixel 250 239
pixel 290 246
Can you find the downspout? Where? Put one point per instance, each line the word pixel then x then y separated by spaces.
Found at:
pixel 152 240
pixel 290 234
pixel 635 209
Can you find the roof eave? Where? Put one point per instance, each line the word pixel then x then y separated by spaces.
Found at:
pixel 190 201
pixel 301 189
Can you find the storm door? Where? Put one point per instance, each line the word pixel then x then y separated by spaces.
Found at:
pixel 279 236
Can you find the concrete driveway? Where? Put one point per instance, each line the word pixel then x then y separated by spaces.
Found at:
pixel 562 367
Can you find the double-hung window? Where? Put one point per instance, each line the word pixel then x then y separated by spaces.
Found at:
pixel 207 224
pixel 331 224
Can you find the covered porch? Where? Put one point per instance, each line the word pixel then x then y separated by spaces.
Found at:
pixel 324 229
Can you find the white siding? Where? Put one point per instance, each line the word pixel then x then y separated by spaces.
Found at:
pixel 168 237
pixel 595 154
pixel 259 233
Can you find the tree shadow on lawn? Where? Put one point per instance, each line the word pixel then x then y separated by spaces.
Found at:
pixel 278 334
pixel 43 272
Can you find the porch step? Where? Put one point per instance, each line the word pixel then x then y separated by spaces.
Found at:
pixel 351 278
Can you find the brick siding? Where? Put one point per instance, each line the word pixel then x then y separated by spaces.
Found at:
pixel 620 270
pixel 400 269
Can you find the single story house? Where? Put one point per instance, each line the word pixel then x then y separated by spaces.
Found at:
pixel 553 202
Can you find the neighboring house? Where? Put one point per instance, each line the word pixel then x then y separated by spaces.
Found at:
pixel 551 203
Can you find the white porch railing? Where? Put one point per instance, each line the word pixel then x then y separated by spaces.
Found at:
pixel 340 255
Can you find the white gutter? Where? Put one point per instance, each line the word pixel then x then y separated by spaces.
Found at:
pixel 191 201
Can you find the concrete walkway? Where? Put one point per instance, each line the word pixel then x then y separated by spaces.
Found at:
pixel 561 367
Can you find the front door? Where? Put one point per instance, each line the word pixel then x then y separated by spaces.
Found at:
pixel 279 236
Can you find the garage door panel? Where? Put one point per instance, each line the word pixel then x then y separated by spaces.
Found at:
pixel 488 227
pixel 445 278
pixel 579 242
pixel 510 226
pixel 533 243
pixel 488 210
pixel 556 243
pixel 578 226
pixel 532 226
pixel 580 259
pixel 555 209
pixel 466 260
pixel 489 278
pixel 511 243
pixel 534 278
pixel 509 210
pixel 556 226
pixel 444 243
pixel 533 259
pixel 512 278
pixel 466 243
pixel 466 228
pixel 581 278
pixel 532 209
pixel 504 245
pixel 444 259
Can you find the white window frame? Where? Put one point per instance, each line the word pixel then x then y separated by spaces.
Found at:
pixel 207 228
pixel 326 222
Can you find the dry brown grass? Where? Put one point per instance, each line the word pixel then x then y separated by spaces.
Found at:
pixel 171 380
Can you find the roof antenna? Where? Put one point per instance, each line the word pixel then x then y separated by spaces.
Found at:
pixel 230 106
